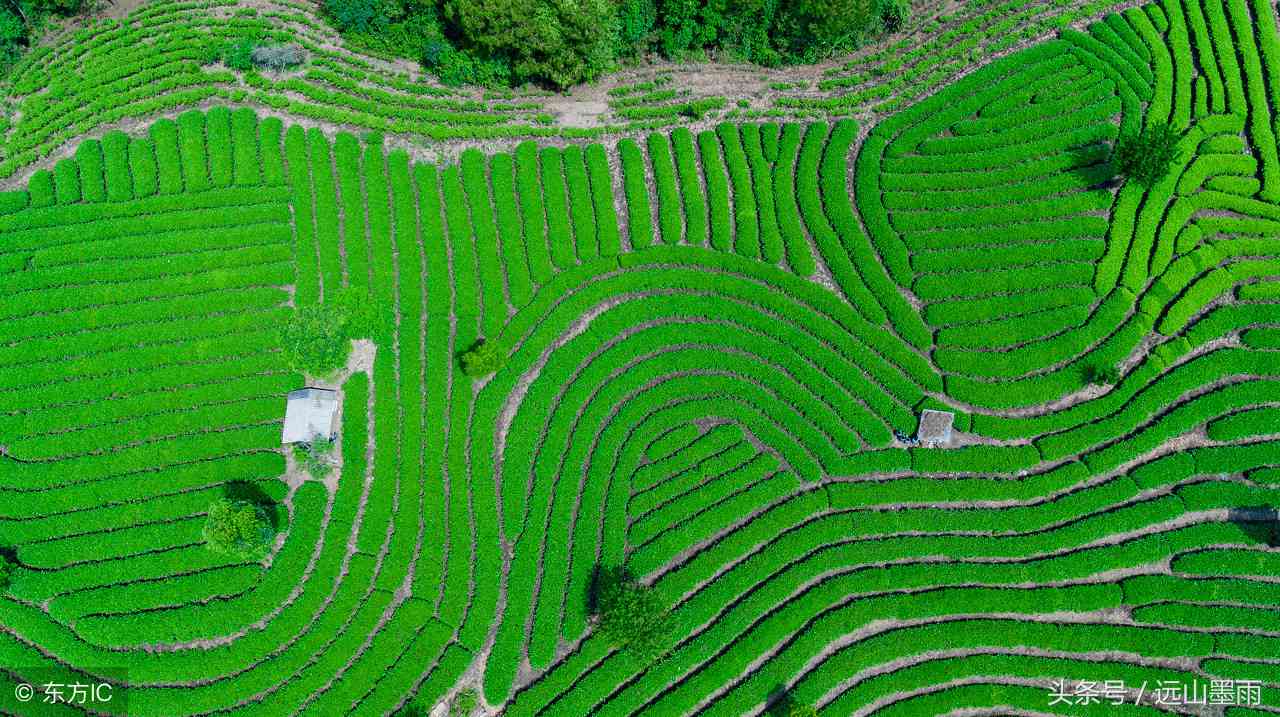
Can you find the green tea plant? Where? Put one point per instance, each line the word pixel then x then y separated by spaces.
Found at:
pixel 6 570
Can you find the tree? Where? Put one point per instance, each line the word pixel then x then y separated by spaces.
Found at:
pixel 810 29
pixel 559 43
pixel 629 614
pixel 686 26
pixel 482 359
pixel 59 7
pixel 20 20
pixel 1148 155
pixel 636 20
pixel 317 338
pixel 13 34
pixel 238 528
pixel 746 31
pixel 360 16
pixel 555 42
pixel 12 29
pixel 314 339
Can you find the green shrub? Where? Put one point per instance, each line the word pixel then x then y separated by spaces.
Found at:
pixel 1100 374
pixel 315 458
pixel 238 55
pixel 1146 156
pixel 238 528
pixel 464 703
pixel 482 359
pixel 210 51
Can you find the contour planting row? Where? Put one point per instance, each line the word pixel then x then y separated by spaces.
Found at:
pixel 707 393
pixel 1172 249
pixel 159 59
pixel 144 613
pixel 880 565
pixel 135 397
pixel 887 80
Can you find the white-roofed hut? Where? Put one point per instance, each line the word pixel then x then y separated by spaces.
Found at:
pixel 310 413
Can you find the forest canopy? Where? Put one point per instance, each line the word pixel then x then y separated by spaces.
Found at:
pixel 22 20
pixel 559 43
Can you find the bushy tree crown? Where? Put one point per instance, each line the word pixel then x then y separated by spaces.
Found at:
pixel 317 338
pixel 237 528
pixel 482 359
pixel 631 614
pixel 1148 155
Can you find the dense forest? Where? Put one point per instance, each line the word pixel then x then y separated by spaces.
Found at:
pixel 559 43
pixel 20 21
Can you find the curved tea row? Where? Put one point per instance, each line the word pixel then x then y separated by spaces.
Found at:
pixel 717 345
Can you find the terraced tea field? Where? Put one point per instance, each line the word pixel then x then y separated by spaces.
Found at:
pixel 718 341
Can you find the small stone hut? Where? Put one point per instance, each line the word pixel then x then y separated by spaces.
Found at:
pixel 935 428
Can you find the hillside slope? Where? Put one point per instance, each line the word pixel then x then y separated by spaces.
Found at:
pixel 717 344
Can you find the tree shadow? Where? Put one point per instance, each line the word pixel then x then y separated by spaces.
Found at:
pixel 778 701
pixel 1258 523
pixel 246 492
pixel 1092 164
pixel 781 703
pixel 600 577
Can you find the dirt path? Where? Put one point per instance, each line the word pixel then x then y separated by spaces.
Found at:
pixel 119 9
